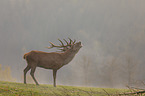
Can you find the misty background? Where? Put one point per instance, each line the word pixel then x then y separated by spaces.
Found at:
pixel 112 33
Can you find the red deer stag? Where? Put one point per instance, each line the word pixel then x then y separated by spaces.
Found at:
pixel 52 60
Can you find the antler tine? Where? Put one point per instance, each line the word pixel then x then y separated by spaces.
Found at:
pixel 70 40
pixel 62 49
pixel 61 42
pixel 74 41
pixel 52 45
pixel 66 42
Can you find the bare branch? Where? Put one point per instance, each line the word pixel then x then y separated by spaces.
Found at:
pixel 106 92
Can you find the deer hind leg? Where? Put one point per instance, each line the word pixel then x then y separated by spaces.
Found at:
pixel 32 74
pixel 25 72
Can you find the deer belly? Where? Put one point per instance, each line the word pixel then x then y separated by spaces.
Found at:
pixel 50 66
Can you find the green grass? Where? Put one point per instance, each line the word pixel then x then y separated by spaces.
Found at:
pixel 20 89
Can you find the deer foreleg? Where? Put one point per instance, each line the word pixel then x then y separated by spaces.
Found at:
pixel 25 72
pixel 54 77
pixel 32 74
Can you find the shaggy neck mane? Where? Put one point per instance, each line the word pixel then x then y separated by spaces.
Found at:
pixel 68 56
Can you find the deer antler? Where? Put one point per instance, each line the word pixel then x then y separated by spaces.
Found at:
pixel 70 40
pixel 66 42
pixel 74 41
pixel 53 45
pixel 61 42
pixel 61 46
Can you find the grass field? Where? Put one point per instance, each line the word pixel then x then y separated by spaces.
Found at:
pixel 20 89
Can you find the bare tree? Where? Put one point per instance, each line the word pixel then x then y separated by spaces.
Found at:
pixel 112 67
pixel 85 65
pixel 131 69
pixel 52 60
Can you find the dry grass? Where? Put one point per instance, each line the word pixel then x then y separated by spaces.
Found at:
pixel 20 89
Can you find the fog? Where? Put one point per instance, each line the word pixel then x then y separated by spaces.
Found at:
pixel 112 33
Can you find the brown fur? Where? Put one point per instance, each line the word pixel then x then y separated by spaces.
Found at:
pixel 53 60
